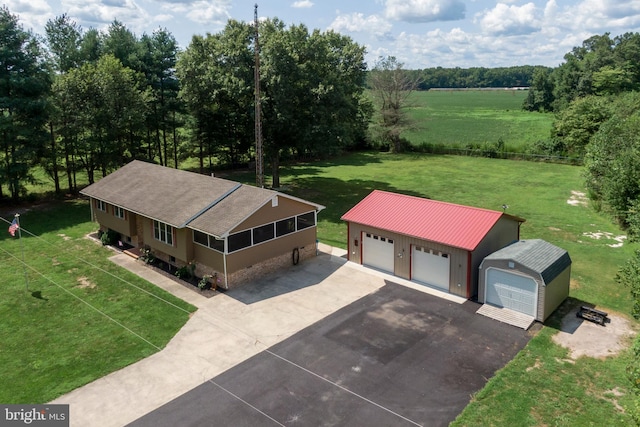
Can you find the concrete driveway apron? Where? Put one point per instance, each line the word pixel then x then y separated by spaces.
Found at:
pixel 225 330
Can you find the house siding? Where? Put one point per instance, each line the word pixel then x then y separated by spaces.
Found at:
pixel 282 246
pixel 126 226
pixel 182 248
pixel 556 292
pixel 404 245
pixel 286 208
pixel 461 278
pixel 504 232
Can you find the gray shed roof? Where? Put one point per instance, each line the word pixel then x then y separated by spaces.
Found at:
pixel 537 255
pixel 180 198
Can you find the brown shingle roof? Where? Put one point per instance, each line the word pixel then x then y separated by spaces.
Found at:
pixel 180 198
pixel 231 211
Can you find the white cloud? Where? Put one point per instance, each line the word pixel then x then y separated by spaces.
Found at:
pixel 302 4
pixel 511 20
pixel 595 16
pixel 424 10
pixel 99 14
pixel 207 12
pixel 32 14
pixel 357 22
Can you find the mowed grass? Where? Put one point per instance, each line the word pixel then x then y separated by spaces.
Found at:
pixel 82 316
pixel 462 118
pixel 539 387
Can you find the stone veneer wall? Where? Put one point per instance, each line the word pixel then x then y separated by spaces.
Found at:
pixel 247 274
pixel 255 271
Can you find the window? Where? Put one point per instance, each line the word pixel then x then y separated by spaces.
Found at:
pixel 118 212
pixel 306 220
pixel 163 232
pixel 263 233
pixel 200 237
pixel 239 240
pixel 285 226
pixel 208 241
pixel 102 206
pixel 216 244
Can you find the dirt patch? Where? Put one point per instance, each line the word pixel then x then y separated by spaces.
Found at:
pixel 584 338
pixel 607 236
pixel 578 198
pixel 85 283
pixel 612 395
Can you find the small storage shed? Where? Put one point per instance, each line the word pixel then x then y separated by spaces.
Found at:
pixel 432 243
pixel 528 276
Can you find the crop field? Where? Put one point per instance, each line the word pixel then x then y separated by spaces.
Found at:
pixel 465 118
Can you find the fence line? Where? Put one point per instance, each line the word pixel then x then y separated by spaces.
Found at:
pixel 495 154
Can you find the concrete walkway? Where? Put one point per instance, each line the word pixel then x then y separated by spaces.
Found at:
pixel 225 330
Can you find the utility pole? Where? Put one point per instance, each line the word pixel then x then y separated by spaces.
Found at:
pixel 258 106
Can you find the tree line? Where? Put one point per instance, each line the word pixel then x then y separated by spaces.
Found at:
pixel 90 101
pixel 595 96
pixel 475 77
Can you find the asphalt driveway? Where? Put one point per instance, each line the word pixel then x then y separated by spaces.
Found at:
pixel 394 357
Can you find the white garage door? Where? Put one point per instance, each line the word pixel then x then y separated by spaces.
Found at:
pixel 430 267
pixel 513 291
pixel 378 252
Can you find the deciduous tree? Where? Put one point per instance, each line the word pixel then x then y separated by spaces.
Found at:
pixel 391 85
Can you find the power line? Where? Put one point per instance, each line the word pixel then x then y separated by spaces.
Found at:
pixel 82 300
pixel 64 249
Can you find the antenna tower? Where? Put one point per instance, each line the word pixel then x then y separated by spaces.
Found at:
pixel 258 107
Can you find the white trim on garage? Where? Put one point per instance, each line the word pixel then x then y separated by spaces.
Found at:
pixel 378 252
pixel 511 290
pixel 430 267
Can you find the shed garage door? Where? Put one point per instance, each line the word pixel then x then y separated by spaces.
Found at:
pixel 430 267
pixel 513 291
pixel 378 252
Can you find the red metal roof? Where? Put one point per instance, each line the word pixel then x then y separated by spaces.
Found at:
pixel 447 223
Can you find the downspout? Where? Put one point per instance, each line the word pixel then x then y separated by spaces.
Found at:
pixel 349 242
pixel 224 261
pixel 93 217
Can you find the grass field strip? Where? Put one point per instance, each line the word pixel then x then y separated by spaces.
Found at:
pixel 100 269
pixel 102 313
pixel 81 300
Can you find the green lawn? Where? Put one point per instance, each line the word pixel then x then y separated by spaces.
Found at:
pixel 555 392
pixel 461 118
pixel 82 316
pixel 53 343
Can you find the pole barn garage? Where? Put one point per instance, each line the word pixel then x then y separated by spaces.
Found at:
pixel 432 243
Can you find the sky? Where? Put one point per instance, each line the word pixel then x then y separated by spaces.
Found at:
pixel 419 33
